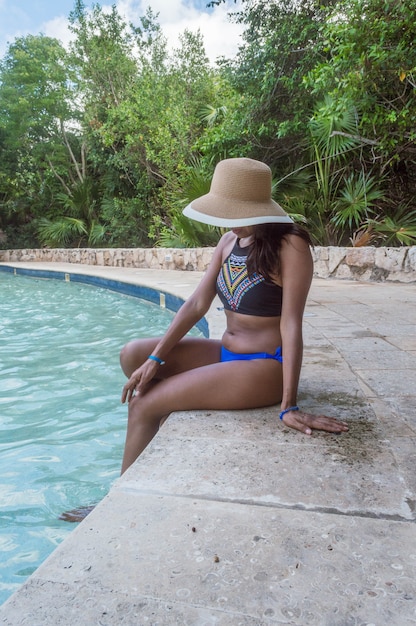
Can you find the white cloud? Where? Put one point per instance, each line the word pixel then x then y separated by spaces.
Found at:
pixel 221 37
pixel 57 28
pixel 168 11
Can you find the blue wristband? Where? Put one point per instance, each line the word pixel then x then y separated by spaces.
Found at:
pixel 152 357
pixel 291 408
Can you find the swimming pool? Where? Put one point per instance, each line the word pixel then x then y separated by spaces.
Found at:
pixel 62 423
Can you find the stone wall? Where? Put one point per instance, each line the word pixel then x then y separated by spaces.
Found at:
pixel 366 263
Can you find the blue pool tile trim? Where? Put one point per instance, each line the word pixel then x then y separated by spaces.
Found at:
pixel 171 302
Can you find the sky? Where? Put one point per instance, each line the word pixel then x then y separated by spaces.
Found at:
pixel 49 17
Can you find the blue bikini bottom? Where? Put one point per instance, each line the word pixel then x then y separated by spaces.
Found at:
pixel 227 355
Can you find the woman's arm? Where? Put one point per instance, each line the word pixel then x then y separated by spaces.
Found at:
pixel 196 305
pixel 187 316
pixel 296 278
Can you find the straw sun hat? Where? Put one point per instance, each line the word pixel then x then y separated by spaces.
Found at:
pixel 240 195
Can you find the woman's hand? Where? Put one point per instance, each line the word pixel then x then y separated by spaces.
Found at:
pixel 307 422
pixel 139 380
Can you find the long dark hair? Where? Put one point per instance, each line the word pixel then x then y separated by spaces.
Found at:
pixel 264 255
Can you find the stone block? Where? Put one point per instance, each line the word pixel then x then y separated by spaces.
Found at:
pixel 360 257
pixel 320 253
pixel 390 259
pixel 99 257
pixel 410 261
pixel 342 271
pixel 336 256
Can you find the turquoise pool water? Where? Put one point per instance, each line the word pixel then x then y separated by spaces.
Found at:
pixel 62 424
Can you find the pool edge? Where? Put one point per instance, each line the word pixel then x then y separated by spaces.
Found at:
pixel 162 298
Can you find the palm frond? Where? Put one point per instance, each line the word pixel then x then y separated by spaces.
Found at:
pixel 209 114
pixel 399 228
pixel 96 234
pixel 355 200
pixel 60 232
pixel 333 128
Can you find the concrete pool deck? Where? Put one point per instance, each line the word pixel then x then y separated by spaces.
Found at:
pixel 230 518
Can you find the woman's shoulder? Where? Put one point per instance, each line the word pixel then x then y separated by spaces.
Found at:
pixel 224 246
pixel 226 242
pixel 296 258
pixel 295 241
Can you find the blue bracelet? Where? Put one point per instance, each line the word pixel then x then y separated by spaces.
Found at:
pixel 291 408
pixel 152 357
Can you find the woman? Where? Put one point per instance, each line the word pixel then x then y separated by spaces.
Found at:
pixel 262 271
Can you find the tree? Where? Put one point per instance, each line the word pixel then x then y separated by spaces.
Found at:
pixel 37 120
pixel 371 62
pixel 281 45
pixel 103 51
pixel 141 118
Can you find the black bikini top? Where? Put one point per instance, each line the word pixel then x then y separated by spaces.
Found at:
pixel 249 295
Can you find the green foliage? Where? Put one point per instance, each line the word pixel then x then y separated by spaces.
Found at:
pixel 355 201
pixel 61 232
pixel 34 90
pixel 209 114
pixel 185 233
pixel 102 53
pixel 37 115
pixel 81 222
pixel 281 45
pixel 143 134
pixel 182 232
pixel 332 131
pixel 371 60
pixel 397 229
pixel 127 222
pixel 65 231
pixel 339 199
pixel 97 142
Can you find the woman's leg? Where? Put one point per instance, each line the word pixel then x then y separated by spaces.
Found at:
pixel 189 353
pixel 216 386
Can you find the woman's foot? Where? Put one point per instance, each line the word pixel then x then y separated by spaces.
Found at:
pixel 76 515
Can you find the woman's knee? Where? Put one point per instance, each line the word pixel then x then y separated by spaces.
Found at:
pixel 126 358
pixel 126 352
pixel 139 414
pixel 134 353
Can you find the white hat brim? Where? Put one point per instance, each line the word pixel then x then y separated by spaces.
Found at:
pixel 224 222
